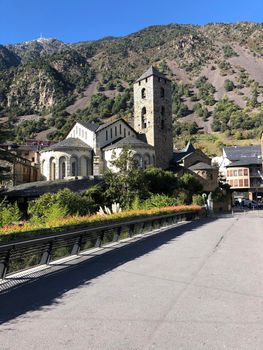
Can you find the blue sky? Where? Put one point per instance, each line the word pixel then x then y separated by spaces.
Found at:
pixel 77 20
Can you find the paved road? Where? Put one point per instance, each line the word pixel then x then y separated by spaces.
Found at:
pixel 198 286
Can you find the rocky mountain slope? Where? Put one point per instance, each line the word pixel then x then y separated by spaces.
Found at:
pixel 217 74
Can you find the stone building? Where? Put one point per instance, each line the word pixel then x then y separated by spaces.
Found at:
pixel 89 148
pixel 153 113
pixel 18 170
pixel 194 161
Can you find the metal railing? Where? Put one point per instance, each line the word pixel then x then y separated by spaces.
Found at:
pixel 40 250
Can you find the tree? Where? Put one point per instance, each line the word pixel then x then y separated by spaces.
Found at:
pixel 229 85
pixel 161 181
pixel 127 183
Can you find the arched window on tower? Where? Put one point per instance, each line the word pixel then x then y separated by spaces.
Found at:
pixel 162 117
pixel 143 92
pixel 162 92
pixel 144 118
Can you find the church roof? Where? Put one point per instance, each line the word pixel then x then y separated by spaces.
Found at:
pixel 95 127
pixel 128 141
pixel 70 142
pixel 151 71
pixel 89 125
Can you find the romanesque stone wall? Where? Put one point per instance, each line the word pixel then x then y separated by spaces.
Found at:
pixel 157 124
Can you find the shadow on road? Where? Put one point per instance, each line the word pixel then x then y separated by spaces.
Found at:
pixel 47 290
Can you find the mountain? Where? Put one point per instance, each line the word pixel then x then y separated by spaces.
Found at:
pixel 216 71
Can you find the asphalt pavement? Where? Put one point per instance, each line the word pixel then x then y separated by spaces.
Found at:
pixel 195 286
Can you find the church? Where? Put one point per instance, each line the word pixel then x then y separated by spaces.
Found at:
pixel 89 148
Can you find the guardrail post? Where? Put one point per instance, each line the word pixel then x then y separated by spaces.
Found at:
pixel 4 266
pixel 142 228
pixel 131 230
pixel 45 258
pixel 117 234
pixel 99 239
pixel 76 247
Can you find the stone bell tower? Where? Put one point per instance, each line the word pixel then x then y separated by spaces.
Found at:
pixel 153 113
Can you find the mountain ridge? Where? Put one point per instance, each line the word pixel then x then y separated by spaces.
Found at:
pixel 206 64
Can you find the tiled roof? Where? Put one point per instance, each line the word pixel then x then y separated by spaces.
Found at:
pixel 128 141
pixel 200 166
pixel 239 152
pixel 179 155
pixel 70 142
pixel 245 162
pixel 151 71
pixel 89 125
pixel 35 189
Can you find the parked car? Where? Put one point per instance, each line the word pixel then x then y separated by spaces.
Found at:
pixel 249 203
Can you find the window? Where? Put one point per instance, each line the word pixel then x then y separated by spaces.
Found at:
pixel 146 80
pixel 120 128
pixel 231 183
pixel 63 170
pixel 139 83
pixel 115 130
pixel 162 111
pixel 245 182
pixel 85 135
pixel 111 133
pixel 82 133
pixel 73 169
pixel 106 134
pixel 230 172
pixel 162 124
pixel 235 173
pixel 143 94
pixel 245 172
pixel 143 118
pixel 240 172
pixel 33 159
pixel 235 183
pixel 162 92
pixel 129 133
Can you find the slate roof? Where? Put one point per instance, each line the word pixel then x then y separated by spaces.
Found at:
pixel 151 71
pixel 89 125
pixel 95 127
pixel 35 189
pixel 179 155
pixel 239 152
pixel 128 141
pixel 245 161
pixel 200 166
pixel 70 142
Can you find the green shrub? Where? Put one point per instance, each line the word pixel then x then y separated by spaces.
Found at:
pixel 198 199
pixel 9 213
pixel 158 201
pixel 54 212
